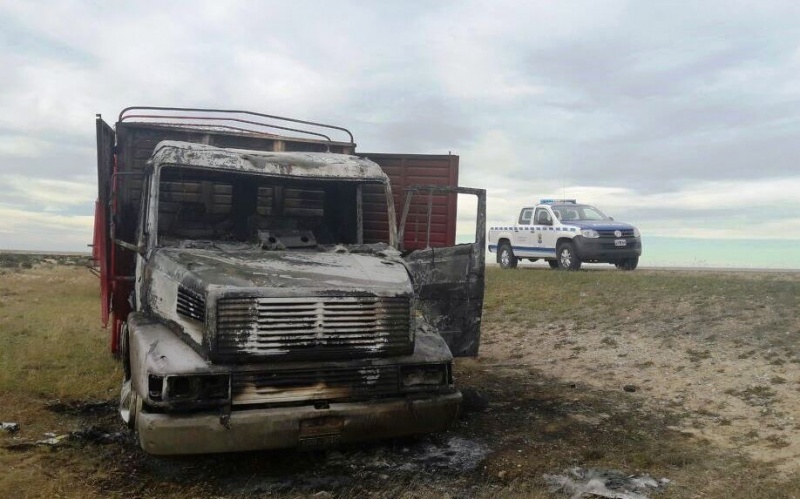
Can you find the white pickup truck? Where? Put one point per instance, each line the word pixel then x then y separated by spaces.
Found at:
pixel 566 234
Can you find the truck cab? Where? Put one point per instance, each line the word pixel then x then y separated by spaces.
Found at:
pixel 566 233
pixel 271 301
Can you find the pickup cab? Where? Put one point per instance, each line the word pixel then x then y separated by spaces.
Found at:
pixel 565 234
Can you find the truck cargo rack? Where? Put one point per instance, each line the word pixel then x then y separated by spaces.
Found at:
pixel 227 119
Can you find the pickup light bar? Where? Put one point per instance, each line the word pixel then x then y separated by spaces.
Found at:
pixel 555 201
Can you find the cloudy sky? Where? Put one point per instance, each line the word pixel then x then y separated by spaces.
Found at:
pixel 681 117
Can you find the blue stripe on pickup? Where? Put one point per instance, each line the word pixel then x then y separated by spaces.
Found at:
pixel 529 249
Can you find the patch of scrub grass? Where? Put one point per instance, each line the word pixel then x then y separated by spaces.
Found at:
pixel 758 395
pixel 609 342
pixel 698 355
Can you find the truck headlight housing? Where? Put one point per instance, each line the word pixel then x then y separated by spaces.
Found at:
pixel 196 388
pixel 590 233
pixel 424 377
pixel 636 232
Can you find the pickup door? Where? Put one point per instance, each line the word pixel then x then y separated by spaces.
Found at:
pixel 448 281
pixel 525 240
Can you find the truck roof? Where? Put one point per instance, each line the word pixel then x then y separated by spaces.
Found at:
pixel 318 165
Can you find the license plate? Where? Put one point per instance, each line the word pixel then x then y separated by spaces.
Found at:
pixel 321 427
pixel 316 443
pixel 620 242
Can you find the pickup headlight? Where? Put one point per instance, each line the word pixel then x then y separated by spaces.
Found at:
pixel 421 377
pixel 590 233
pixel 636 232
pixel 208 388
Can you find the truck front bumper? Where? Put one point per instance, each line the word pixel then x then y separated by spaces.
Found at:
pixel 285 427
pixel 605 251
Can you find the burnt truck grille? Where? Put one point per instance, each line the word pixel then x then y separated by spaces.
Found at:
pixel 287 387
pixel 190 304
pixel 312 328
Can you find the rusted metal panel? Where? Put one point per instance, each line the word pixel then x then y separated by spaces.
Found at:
pixel 102 245
pixel 409 169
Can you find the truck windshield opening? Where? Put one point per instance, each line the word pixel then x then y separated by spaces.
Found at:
pixel 279 213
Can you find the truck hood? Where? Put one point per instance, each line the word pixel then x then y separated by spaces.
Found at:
pixel 284 271
pixel 599 225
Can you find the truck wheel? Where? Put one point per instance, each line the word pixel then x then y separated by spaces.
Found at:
pixel 506 258
pixel 129 404
pixel 553 264
pixel 628 263
pixel 567 259
pixel 129 401
pixel 124 342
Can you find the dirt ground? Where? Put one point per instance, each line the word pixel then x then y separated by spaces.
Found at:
pixel 687 376
pixel 734 384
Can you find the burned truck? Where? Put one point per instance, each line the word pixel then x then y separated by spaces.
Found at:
pixel 263 290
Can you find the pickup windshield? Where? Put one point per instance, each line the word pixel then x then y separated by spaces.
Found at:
pixel 278 213
pixel 578 212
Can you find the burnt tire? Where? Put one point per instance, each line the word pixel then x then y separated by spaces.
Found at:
pixel 129 404
pixel 553 264
pixel 628 263
pixel 506 258
pixel 124 347
pixel 566 257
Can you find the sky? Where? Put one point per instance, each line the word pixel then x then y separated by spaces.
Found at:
pixel 682 118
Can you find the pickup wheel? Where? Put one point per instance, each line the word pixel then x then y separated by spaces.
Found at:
pixel 628 263
pixel 567 259
pixel 506 258
pixel 553 264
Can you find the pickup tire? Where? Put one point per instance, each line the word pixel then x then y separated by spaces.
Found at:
pixel 506 258
pixel 553 264
pixel 566 257
pixel 628 263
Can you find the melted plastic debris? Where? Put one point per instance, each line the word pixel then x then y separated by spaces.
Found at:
pixel 9 427
pixel 583 483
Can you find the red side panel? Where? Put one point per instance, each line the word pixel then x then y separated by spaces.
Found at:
pixel 414 169
pixel 102 248
pixel 99 252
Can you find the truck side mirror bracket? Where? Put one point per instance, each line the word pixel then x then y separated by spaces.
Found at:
pixel 136 248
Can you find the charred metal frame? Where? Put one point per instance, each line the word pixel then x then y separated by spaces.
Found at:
pixel 125 115
pixel 480 229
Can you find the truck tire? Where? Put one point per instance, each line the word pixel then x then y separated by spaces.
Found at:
pixel 567 259
pixel 506 258
pixel 628 263
pixel 129 402
pixel 553 264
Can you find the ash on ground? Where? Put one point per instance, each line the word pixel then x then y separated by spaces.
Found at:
pixel 428 456
pixel 581 482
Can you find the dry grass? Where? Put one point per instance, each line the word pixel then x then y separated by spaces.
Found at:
pixel 52 348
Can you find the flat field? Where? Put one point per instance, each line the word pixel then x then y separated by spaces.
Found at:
pixel 691 376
